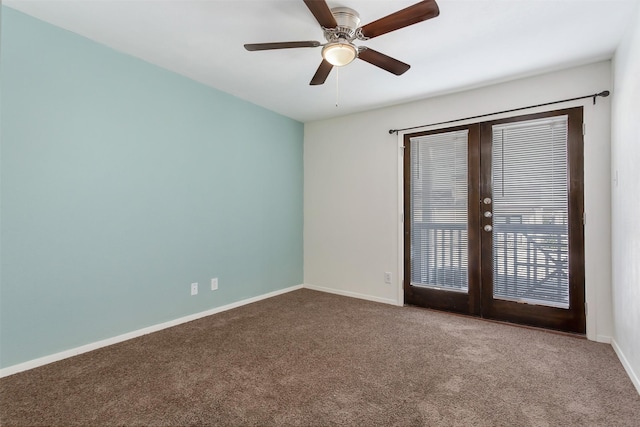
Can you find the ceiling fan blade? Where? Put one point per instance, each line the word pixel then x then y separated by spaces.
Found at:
pixel 280 45
pixel 383 61
pixel 322 13
pixel 403 18
pixel 322 73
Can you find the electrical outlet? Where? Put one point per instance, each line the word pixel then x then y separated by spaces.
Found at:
pixel 388 277
pixel 214 284
pixel 194 289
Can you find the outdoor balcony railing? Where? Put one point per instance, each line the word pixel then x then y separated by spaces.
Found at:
pixel 530 261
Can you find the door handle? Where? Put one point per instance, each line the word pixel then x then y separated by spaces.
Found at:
pixel 488 228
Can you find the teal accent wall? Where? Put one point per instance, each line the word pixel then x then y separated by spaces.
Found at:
pixel 121 184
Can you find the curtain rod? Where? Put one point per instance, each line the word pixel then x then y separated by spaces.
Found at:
pixel 603 94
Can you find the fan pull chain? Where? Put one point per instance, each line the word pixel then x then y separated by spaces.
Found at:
pixel 337 85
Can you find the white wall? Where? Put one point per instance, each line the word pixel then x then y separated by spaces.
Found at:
pixel 352 173
pixel 625 153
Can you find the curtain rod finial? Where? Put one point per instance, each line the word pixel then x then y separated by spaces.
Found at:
pixel 392 131
pixel 603 94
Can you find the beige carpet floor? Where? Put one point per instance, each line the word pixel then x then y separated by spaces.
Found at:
pixel 313 359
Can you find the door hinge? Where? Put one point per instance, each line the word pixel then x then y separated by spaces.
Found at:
pixel 584 218
pixel 586 309
pixel 584 129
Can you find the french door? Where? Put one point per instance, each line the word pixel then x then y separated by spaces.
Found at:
pixel 494 220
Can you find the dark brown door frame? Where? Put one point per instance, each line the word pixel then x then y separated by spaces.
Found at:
pixel 457 302
pixel 479 301
pixel 572 319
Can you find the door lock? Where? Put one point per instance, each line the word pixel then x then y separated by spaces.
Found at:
pixel 488 228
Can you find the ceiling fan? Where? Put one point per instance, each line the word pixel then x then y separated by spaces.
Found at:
pixel 341 28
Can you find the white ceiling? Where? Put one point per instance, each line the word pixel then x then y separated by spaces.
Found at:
pixel 472 43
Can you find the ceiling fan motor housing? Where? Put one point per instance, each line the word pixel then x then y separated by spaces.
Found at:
pixel 348 21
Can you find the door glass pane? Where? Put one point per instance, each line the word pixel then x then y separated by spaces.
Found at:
pixel 530 212
pixel 439 241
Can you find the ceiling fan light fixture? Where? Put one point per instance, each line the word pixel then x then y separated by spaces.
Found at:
pixel 339 53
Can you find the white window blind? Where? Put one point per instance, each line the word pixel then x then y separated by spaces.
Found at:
pixel 439 238
pixel 530 212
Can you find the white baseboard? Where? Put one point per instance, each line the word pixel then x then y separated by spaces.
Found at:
pixel 20 367
pixel 350 294
pixel 627 366
pixel 606 339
